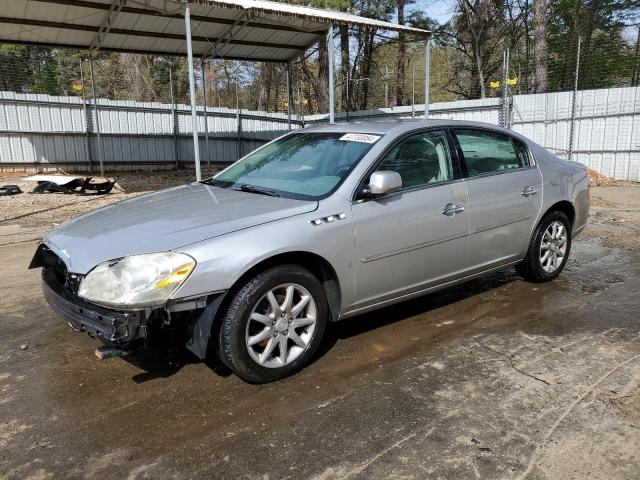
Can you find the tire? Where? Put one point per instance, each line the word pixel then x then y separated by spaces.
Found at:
pixel 534 268
pixel 252 316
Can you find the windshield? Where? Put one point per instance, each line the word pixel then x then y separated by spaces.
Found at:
pixel 305 166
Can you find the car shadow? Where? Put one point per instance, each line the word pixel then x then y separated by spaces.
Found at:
pixel 421 305
pixel 166 360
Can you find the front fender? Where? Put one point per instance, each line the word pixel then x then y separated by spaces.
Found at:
pixel 221 261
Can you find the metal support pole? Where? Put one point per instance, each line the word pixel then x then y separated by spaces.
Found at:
pixel 504 113
pixel 97 115
pixel 347 91
pixel 174 119
pixel 573 102
pixel 87 119
pixel 507 103
pixel 206 123
pixel 289 94
pixel 192 91
pixel 238 124
pixel 427 76
pixel 330 58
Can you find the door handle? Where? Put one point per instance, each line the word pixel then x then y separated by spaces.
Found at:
pixel 450 209
pixel 528 191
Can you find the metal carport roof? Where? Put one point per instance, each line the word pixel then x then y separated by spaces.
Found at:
pixel 255 30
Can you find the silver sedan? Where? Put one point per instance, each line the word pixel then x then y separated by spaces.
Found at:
pixel 317 226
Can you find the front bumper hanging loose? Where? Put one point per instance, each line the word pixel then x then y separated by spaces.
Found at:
pixel 111 325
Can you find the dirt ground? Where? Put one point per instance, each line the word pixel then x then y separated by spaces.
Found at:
pixel 497 378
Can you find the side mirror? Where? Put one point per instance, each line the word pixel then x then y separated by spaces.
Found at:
pixel 383 182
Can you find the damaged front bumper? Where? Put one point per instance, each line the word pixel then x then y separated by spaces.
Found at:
pixel 191 318
pixel 119 327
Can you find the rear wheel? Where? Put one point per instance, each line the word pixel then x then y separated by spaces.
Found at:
pixel 549 249
pixel 274 324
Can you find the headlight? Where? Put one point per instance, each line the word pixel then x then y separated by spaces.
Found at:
pixel 139 280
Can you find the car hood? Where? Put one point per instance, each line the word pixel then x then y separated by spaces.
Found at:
pixel 164 220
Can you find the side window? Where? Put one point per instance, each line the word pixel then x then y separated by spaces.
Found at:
pixel 522 152
pixel 421 159
pixel 489 152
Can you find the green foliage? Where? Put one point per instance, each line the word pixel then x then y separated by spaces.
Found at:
pixel 38 70
pixel 607 57
pixel 466 56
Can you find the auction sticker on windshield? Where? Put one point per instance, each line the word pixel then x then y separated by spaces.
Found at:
pixel 360 137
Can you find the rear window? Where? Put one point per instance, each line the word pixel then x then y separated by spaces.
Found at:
pixel 490 152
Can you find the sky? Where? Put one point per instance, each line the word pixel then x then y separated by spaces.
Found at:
pixel 439 10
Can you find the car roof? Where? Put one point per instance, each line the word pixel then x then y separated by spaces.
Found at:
pixel 399 126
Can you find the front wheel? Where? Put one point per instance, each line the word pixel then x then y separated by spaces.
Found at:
pixel 274 324
pixel 549 249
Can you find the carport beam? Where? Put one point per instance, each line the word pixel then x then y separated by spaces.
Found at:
pixel 330 58
pixel 192 91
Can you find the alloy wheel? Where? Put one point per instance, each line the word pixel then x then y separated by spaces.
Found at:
pixel 281 325
pixel 553 247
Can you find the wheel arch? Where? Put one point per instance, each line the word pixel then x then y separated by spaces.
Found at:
pixel 316 264
pixel 563 206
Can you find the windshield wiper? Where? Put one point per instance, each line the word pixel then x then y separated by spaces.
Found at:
pixel 258 190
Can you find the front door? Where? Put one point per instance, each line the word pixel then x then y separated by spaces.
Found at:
pixel 505 196
pixel 418 235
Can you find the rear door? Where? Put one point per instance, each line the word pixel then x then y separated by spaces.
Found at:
pixel 505 195
pixel 418 235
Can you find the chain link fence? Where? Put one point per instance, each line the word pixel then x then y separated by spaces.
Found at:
pixel 133 109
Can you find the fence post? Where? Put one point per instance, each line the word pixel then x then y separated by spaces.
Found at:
pixel 504 100
pixel 573 102
pixel 174 120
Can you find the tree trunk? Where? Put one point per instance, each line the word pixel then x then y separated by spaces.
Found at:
pixel 589 24
pixel 402 56
pixel 323 78
pixel 540 68
pixel 366 68
pixel 572 47
pixel 635 82
pixel 479 69
pixel 264 99
pixel 344 67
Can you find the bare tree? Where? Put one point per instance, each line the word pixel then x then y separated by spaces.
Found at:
pixel 540 80
pixel 479 19
pixel 344 67
pixel 266 79
pixel 402 58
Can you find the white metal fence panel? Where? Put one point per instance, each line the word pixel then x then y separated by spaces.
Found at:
pixel 41 129
pixel 606 127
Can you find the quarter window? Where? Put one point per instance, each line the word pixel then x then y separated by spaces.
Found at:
pixel 420 160
pixel 489 152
